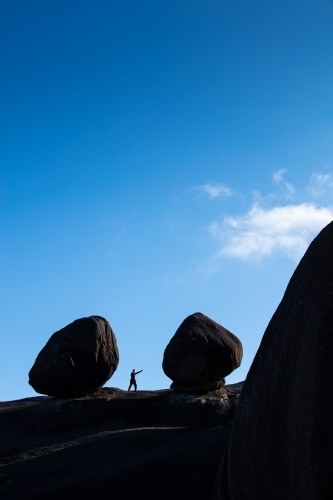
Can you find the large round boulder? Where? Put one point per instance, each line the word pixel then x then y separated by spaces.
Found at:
pixel 281 443
pixel 201 354
pixel 77 360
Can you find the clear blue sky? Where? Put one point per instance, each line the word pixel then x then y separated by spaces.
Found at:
pixel 158 158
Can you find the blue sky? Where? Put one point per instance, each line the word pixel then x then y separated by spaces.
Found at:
pixel 157 159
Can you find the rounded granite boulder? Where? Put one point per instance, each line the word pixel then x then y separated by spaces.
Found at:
pixel 281 443
pixel 201 354
pixel 77 360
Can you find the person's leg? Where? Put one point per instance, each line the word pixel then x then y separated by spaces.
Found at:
pixel 135 386
pixel 131 383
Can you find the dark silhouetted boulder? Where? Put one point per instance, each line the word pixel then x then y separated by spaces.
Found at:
pixel 186 386
pixel 281 445
pixel 201 354
pixel 77 360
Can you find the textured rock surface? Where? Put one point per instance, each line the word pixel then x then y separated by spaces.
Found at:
pixel 281 445
pixel 201 354
pixel 198 386
pixel 142 445
pixel 77 360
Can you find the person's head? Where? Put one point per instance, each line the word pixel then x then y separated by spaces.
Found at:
pixel 133 371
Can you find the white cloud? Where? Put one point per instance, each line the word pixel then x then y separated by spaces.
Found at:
pixel 321 185
pixel 263 232
pixel 215 190
pixel 279 180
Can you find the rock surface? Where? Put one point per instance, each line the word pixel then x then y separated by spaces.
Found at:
pixel 77 360
pixel 185 386
pixel 281 445
pixel 114 444
pixel 201 354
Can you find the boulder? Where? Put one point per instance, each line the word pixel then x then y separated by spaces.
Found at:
pixel 201 354
pixel 185 386
pixel 77 360
pixel 281 444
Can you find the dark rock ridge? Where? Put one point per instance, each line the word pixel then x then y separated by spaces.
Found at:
pixel 281 445
pixel 201 354
pixel 77 360
pixel 142 445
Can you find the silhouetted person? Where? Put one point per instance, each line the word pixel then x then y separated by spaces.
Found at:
pixel 133 381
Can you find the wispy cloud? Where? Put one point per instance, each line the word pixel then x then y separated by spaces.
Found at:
pixel 215 190
pixel 321 186
pixel 279 180
pixel 172 280
pixel 263 232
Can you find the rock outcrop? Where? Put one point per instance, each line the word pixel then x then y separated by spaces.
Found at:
pixel 201 354
pixel 77 360
pixel 117 444
pixel 281 444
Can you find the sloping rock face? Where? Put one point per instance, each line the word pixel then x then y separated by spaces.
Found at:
pixel 77 360
pixel 142 445
pixel 201 354
pixel 281 445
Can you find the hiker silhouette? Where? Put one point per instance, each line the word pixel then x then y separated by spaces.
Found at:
pixel 133 381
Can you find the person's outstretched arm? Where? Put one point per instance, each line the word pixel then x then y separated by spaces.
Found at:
pixel 138 372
